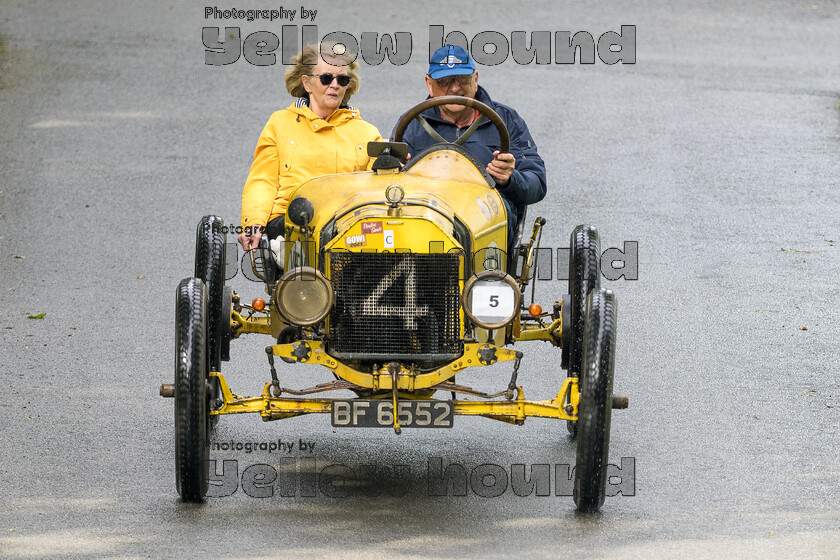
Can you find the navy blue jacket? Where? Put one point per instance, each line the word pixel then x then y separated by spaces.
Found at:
pixel 527 181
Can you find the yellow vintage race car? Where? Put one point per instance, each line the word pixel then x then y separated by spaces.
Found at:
pixel 395 281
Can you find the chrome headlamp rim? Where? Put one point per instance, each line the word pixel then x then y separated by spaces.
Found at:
pixel 308 274
pixel 498 275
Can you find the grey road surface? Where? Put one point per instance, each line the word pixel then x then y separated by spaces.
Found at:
pixel 717 152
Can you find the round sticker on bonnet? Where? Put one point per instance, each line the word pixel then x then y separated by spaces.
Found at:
pixel 484 208
pixel 493 204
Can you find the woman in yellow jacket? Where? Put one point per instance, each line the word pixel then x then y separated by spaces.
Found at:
pixel 318 134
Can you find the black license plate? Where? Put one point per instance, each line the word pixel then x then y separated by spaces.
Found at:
pixel 380 414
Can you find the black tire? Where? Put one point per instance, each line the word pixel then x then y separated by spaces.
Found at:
pixel 584 277
pixel 192 451
pixel 595 406
pixel 210 268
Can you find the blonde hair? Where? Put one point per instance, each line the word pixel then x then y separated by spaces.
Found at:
pixel 309 57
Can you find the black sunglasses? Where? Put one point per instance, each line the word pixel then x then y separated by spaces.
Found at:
pixel 446 82
pixel 326 79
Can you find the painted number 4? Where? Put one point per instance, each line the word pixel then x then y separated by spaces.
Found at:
pixel 409 311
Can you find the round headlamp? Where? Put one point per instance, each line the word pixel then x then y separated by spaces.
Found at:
pixel 303 296
pixel 491 299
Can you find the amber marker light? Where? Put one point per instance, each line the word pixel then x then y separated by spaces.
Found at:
pixel 258 304
pixel 534 310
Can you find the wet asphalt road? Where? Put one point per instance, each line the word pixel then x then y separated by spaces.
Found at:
pixel 717 152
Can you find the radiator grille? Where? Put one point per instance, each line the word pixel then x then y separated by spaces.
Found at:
pixel 395 305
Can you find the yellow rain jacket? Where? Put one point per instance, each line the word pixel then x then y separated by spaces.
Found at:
pixel 297 145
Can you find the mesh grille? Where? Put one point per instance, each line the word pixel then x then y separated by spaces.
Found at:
pixel 393 304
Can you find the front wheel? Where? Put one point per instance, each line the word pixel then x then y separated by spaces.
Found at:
pixel 192 452
pixel 595 405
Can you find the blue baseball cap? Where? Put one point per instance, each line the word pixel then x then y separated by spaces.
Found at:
pixel 450 60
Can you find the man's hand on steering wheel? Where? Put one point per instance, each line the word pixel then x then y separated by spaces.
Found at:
pixel 501 167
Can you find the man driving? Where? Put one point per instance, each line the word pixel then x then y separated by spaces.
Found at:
pixel 520 174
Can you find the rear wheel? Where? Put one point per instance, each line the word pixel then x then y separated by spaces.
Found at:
pixel 210 269
pixel 595 406
pixel 192 451
pixel 584 277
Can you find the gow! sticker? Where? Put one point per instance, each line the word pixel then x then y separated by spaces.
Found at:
pixel 355 241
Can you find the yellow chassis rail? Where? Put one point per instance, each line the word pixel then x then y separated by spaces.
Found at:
pixel 259 324
pixel 253 324
pixel 513 411
pixel 312 352
pixel 551 333
pixel 381 381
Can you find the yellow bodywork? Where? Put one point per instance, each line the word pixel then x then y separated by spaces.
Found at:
pixel 359 197
pixel 352 214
